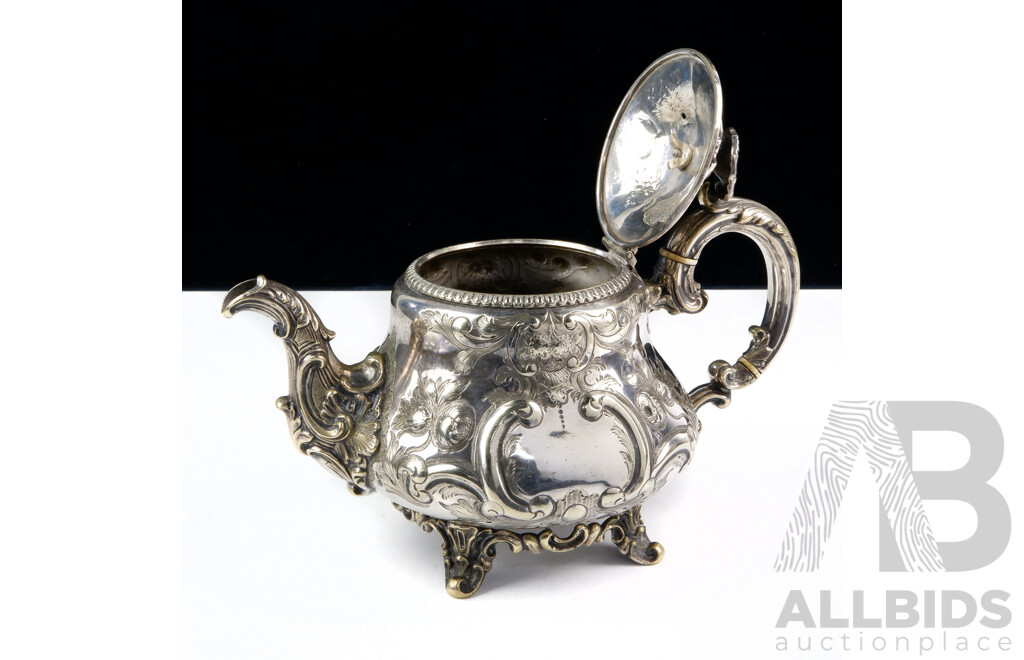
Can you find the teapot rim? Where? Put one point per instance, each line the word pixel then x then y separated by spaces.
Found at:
pixel 601 290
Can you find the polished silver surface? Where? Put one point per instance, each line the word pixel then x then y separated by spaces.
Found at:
pixel 660 147
pixel 518 273
pixel 517 390
pixel 528 418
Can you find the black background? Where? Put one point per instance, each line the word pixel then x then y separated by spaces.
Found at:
pixel 328 151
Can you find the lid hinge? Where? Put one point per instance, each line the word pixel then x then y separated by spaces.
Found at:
pixel 626 254
pixel 725 168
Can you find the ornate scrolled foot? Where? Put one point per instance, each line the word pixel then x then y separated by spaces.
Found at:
pixel 468 550
pixel 468 556
pixel 630 535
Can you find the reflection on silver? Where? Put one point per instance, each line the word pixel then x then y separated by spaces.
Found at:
pixel 661 146
pixel 517 390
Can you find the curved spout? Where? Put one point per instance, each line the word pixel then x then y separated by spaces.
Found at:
pixel 333 408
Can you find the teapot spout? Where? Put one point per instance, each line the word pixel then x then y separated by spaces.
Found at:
pixel 333 408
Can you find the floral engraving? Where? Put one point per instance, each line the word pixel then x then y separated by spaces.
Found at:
pixel 402 473
pixel 467 506
pixel 434 409
pixel 592 362
pixel 472 338
pixel 659 396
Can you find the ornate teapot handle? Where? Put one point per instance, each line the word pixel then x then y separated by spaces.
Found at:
pixel 679 292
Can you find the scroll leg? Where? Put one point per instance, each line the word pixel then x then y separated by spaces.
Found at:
pixel 630 535
pixel 468 555
pixel 468 550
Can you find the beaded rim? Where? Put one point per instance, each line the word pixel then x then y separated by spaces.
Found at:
pixel 610 287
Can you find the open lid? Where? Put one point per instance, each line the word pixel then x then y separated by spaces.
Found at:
pixel 660 147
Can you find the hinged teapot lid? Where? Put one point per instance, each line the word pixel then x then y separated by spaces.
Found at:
pixel 661 146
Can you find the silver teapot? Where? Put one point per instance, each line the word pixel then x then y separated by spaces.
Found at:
pixel 518 398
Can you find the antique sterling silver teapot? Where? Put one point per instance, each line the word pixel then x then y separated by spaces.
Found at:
pixel 517 392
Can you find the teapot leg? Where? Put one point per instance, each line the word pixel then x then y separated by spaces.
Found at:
pixel 468 550
pixel 468 555
pixel 630 535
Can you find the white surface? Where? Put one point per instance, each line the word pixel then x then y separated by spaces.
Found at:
pixel 92 478
pixel 281 561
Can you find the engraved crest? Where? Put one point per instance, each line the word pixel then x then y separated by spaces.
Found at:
pixel 551 344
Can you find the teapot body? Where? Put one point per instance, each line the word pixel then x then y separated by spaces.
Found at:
pixel 522 389
pixel 518 391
